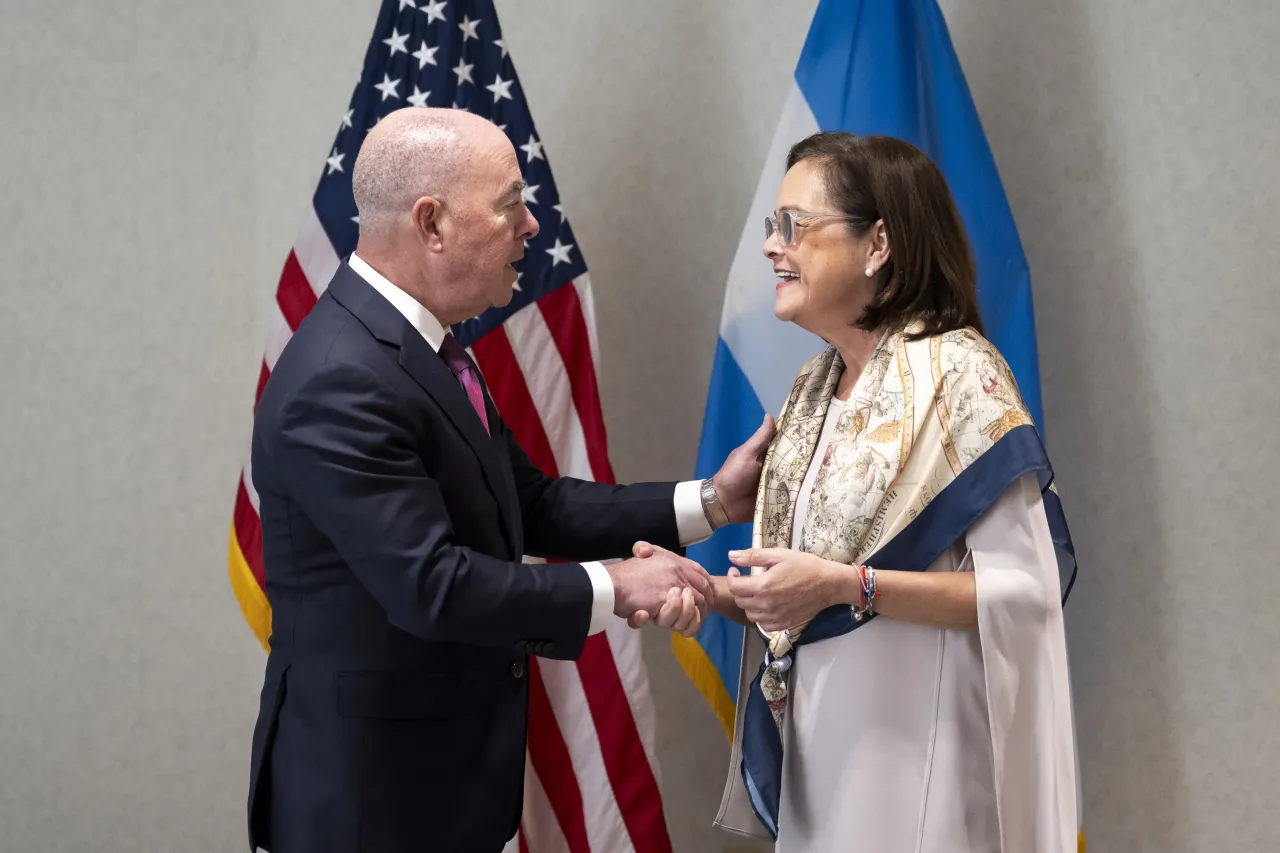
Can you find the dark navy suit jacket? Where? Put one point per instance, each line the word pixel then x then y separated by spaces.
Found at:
pixel 393 710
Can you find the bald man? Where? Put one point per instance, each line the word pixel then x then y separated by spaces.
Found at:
pixel 396 509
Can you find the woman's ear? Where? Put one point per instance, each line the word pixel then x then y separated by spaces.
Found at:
pixel 879 246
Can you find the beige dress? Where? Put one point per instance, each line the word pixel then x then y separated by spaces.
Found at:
pixel 888 733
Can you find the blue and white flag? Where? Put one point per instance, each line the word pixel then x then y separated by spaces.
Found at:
pixel 867 67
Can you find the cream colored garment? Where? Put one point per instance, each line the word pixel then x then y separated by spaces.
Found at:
pixel 807 487
pixel 899 737
pixel 888 739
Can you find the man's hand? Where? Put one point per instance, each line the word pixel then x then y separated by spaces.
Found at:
pixel 659 582
pixel 796 587
pixel 739 477
pixel 679 613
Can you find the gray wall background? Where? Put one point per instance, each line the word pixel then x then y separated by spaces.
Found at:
pixel 156 158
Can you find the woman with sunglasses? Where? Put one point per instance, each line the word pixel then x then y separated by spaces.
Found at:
pixel 904 685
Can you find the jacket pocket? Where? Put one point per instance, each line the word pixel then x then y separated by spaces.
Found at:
pixel 398 695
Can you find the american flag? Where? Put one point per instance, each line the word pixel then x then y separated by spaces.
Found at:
pixel 591 776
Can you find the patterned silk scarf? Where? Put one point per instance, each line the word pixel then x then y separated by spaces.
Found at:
pixel 919 414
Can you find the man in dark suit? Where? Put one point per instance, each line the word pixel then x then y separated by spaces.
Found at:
pixel 396 507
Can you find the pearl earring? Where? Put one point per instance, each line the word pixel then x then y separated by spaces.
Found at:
pixel 870 272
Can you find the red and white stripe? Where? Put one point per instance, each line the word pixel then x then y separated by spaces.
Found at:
pixel 591 782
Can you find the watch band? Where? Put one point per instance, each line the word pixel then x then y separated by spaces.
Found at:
pixel 715 512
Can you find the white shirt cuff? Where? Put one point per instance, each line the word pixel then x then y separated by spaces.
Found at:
pixel 691 522
pixel 601 597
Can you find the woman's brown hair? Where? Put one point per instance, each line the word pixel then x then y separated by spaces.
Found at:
pixel 930 276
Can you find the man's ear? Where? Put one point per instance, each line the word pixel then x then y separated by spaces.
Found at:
pixel 429 222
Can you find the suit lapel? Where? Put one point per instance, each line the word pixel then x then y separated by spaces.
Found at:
pixel 429 371
pixel 508 474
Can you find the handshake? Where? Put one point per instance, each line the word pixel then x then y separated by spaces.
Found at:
pixel 671 591
pixel 656 585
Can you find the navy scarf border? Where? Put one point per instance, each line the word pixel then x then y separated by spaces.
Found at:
pixel 932 532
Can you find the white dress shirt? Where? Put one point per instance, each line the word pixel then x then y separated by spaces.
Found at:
pixel 691 523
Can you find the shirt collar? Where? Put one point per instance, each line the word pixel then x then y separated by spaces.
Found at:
pixel 420 318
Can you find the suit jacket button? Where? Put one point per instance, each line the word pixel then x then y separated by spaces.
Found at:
pixel 546 648
pixel 517 669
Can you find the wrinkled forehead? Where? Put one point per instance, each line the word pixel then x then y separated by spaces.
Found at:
pixel 494 167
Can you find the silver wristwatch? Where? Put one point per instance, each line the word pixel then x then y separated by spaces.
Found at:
pixel 715 512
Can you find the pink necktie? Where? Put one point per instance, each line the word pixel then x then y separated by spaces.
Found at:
pixel 467 374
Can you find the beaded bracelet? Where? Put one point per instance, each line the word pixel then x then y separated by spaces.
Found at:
pixel 867 577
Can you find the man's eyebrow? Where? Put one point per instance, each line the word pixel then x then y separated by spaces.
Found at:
pixel 516 187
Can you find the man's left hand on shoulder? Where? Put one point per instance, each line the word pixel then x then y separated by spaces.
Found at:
pixel 737 480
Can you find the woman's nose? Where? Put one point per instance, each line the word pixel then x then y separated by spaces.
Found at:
pixel 772 248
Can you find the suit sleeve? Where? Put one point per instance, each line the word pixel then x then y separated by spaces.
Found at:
pixel 355 472
pixel 571 519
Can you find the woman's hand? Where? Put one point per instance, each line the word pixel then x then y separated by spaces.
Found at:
pixel 793 590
